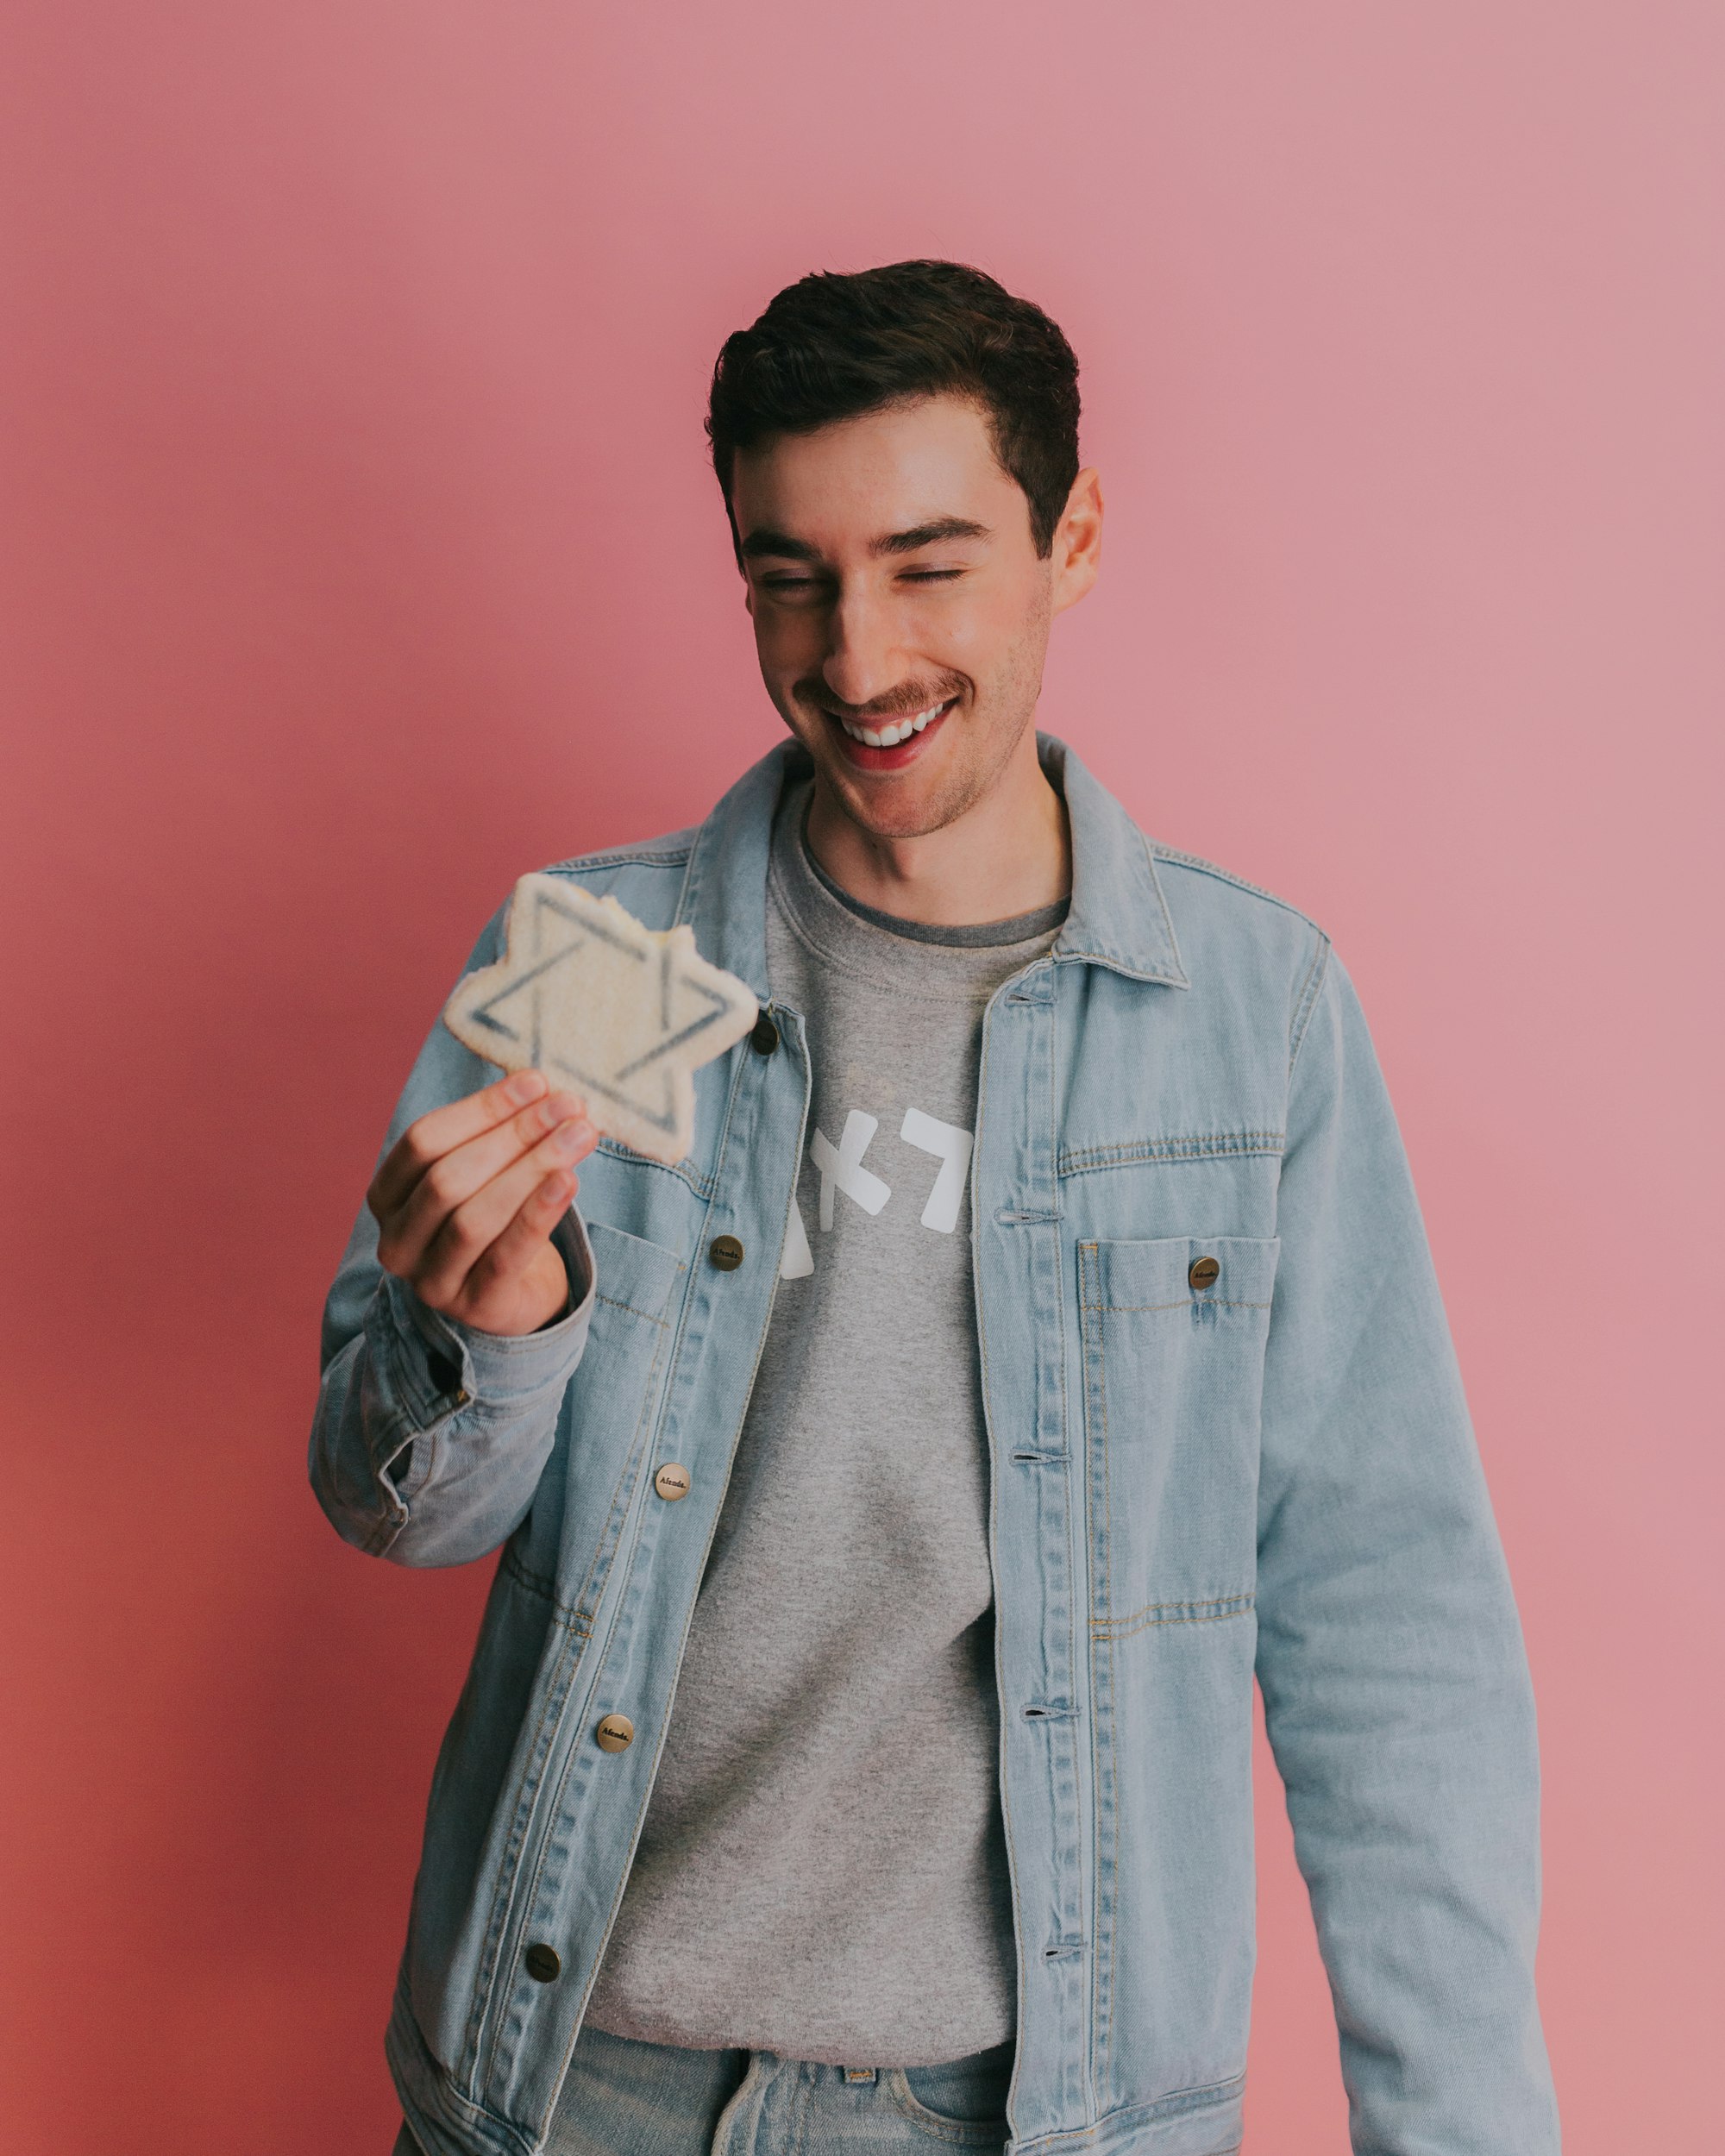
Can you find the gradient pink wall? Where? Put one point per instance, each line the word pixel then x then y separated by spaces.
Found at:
pixel 361 555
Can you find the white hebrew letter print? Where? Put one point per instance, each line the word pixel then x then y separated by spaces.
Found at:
pixel 951 1148
pixel 798 1262
pixel 842 1165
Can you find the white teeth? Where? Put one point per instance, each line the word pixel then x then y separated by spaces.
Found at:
pixel 890 736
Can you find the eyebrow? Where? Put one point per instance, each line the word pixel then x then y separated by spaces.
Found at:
pixel 768 542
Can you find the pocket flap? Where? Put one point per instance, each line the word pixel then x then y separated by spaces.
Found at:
pixel 1169 1274
pixel 630 1272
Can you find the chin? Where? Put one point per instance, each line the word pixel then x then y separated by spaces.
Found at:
pixel 903 810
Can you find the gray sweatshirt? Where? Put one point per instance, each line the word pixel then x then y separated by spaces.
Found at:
pixel 822 1872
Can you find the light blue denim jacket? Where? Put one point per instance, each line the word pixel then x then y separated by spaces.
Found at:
pixel 1191 1483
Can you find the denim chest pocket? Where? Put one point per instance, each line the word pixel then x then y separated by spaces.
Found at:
pixel 568 1539
pixel 1174 1335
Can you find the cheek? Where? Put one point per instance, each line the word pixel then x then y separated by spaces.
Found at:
pixel 983 638
pixel 780 638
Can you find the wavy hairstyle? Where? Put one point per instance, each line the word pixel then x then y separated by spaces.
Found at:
pixel 834 345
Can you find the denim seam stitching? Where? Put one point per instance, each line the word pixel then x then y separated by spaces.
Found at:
pixel 641 1442
pixel 581 1630
pixel 586 1594
pixel 634 1309
pixel 1316 973
pixel 1197 863
pixel 1084 1160
pixel 575 1619
pixel 1012 1872
pixel 702 1185
pixel 391 1376
pixel 449 2089
pixel 1185 1302
pixel 1178 2103
pixel 1198 1601
pixel 1220 1611
pixel 581 1615
pixel 1114 1809
pixel 802 2106
pixel 621 857
pixel 962 2132
pixel 1072 1641
pixel 1089 1258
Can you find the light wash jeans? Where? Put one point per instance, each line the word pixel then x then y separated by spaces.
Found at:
pixel 626 2099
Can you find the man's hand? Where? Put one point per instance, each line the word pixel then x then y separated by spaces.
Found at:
pixel 468 1196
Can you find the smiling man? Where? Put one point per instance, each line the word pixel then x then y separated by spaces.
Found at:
pixel 896 1498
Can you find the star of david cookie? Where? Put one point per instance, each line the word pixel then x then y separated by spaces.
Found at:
pixel 621 1014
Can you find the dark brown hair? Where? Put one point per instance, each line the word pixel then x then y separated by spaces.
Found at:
pixel 833 346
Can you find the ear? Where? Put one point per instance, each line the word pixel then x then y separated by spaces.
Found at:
pixel 1077 553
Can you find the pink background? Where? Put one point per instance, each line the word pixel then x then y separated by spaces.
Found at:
pixel 361 555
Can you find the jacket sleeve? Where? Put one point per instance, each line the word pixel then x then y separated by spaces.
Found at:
pixel 429 1436
pixel 1395 1683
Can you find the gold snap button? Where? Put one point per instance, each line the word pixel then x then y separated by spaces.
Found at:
pixel 615 1733
pixel 1203 1272
pixel 672 1481
pixel 542 1964
pixel 727 1252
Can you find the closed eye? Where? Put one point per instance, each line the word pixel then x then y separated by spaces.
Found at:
pixel 793 586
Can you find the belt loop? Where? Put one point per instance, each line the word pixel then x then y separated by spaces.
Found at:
pixel 734 2134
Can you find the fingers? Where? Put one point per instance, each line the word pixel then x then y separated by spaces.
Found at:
pixel 510 1255
pixel 450 1182
pixel 434 1135
pixel 470 1230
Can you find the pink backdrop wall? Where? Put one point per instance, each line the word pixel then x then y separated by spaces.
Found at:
pixel 360 554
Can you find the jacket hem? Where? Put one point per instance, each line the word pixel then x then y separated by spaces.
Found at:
pixel 1207 2121
pixel 442 2120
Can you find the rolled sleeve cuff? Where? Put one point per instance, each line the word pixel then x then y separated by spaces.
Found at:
pixel 437 1366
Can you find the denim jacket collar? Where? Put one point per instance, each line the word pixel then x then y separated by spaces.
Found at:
pixel 1118 918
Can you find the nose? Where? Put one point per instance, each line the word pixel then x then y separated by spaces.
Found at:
pixel 863 657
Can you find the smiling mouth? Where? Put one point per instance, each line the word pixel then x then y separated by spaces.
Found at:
pixel 895 731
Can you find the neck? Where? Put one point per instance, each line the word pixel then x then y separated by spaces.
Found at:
pixel 1010 852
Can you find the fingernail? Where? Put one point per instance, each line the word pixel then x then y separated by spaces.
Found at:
pixel 567 1141
pixel 526 1085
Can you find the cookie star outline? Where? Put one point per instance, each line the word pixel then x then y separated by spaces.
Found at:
pixel 622 1014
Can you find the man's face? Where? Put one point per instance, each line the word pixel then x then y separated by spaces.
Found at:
pixel 896 594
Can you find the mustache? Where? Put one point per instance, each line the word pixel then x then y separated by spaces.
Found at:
pixel 904 703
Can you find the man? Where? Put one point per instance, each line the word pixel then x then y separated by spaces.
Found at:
pixel 896 1498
